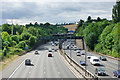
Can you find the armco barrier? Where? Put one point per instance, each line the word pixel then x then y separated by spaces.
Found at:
pixel 85 73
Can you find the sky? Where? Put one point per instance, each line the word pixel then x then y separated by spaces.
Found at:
pixel 53 11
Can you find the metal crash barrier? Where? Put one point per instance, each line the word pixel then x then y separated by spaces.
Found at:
pixel 85 73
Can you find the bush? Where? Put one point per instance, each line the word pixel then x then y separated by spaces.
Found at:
pixel 21 45
pixel 13 43
pixel 6 44
pixel 32 40
pixel 91 40
pixel 15 38
pixel 25 36
pixel 17 50
pixel 98 47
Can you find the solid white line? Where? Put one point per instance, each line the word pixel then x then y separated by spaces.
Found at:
pixel 15 70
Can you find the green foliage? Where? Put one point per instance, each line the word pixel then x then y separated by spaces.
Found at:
pixel 32 40
pixel 13 43
pixel 116 12
pixel 92 32
pixel 109 40
pixel 33 31
pixel 15 38
pixel 102 36
pixel 91 40
pixel 5 51
pixel 21 45
pixel 6 44
pixel 25 36
pixel 7 28
pixel 5 36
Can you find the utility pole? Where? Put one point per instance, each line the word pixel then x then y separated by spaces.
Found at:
pixel 12 27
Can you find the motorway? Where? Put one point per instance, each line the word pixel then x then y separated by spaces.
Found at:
pixel 42 66
pixel 109 66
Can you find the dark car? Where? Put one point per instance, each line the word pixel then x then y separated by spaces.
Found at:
pixel 103 58
pixel 55 49
pixel 89 56
pixel 49 55
pixel 27 62
pixel 116 73
pixel 36 52
pixel 82 63
pixel 100 72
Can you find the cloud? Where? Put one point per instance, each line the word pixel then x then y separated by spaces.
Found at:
pixel 54 12
pixel 44 1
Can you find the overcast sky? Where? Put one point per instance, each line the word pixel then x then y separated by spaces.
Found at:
pixel 53 11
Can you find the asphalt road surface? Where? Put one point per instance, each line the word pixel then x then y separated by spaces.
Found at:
pixel 42 66
pixel 109 66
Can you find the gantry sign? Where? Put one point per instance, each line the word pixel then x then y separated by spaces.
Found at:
pixel 65 36
pixel 62 37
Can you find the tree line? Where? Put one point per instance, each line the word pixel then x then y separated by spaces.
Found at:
pixel 24 37
pixel 102 35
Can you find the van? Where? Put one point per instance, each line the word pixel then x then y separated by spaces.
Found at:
pixel 94 60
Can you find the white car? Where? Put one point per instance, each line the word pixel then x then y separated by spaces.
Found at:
pixel 50 50
pixel 94 60
pixel 78 53
pixel 83 52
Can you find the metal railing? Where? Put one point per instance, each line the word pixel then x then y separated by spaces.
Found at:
pixel 85 73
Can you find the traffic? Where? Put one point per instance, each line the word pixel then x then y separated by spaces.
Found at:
pixel 98 65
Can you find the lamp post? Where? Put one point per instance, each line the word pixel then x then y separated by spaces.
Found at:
pixel 85 47
pixel 12 28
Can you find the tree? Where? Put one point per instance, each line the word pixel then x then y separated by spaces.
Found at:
pixel 33 31
pixel 98 19
pixel 32 40
pixel 47 24
pixel 7 28
pixel 91 40
pixel 21 45
pixel 116 12
pixel 15 38
pixel 36 24
pixel 5 36
pixel 89 18
pixel 25 36
pixel 80 22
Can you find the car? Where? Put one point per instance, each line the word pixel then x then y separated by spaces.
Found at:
pixel 50 50
pixel 94 60
pixel 103 58
pixel 82 63
pixel 83 52
pixel 78 53
pixel 50 55
pixel 116 73
pixel 53 44
pixel 75 48
pixel 27 62
pixel 67 46
pixel 55 49
pixel 36 52
pixel 89 56
pixel 100 72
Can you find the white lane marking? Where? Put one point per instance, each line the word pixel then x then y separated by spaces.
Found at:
pixel 58 72
pixel 29 72
pixel 16 70
pixel 44 72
